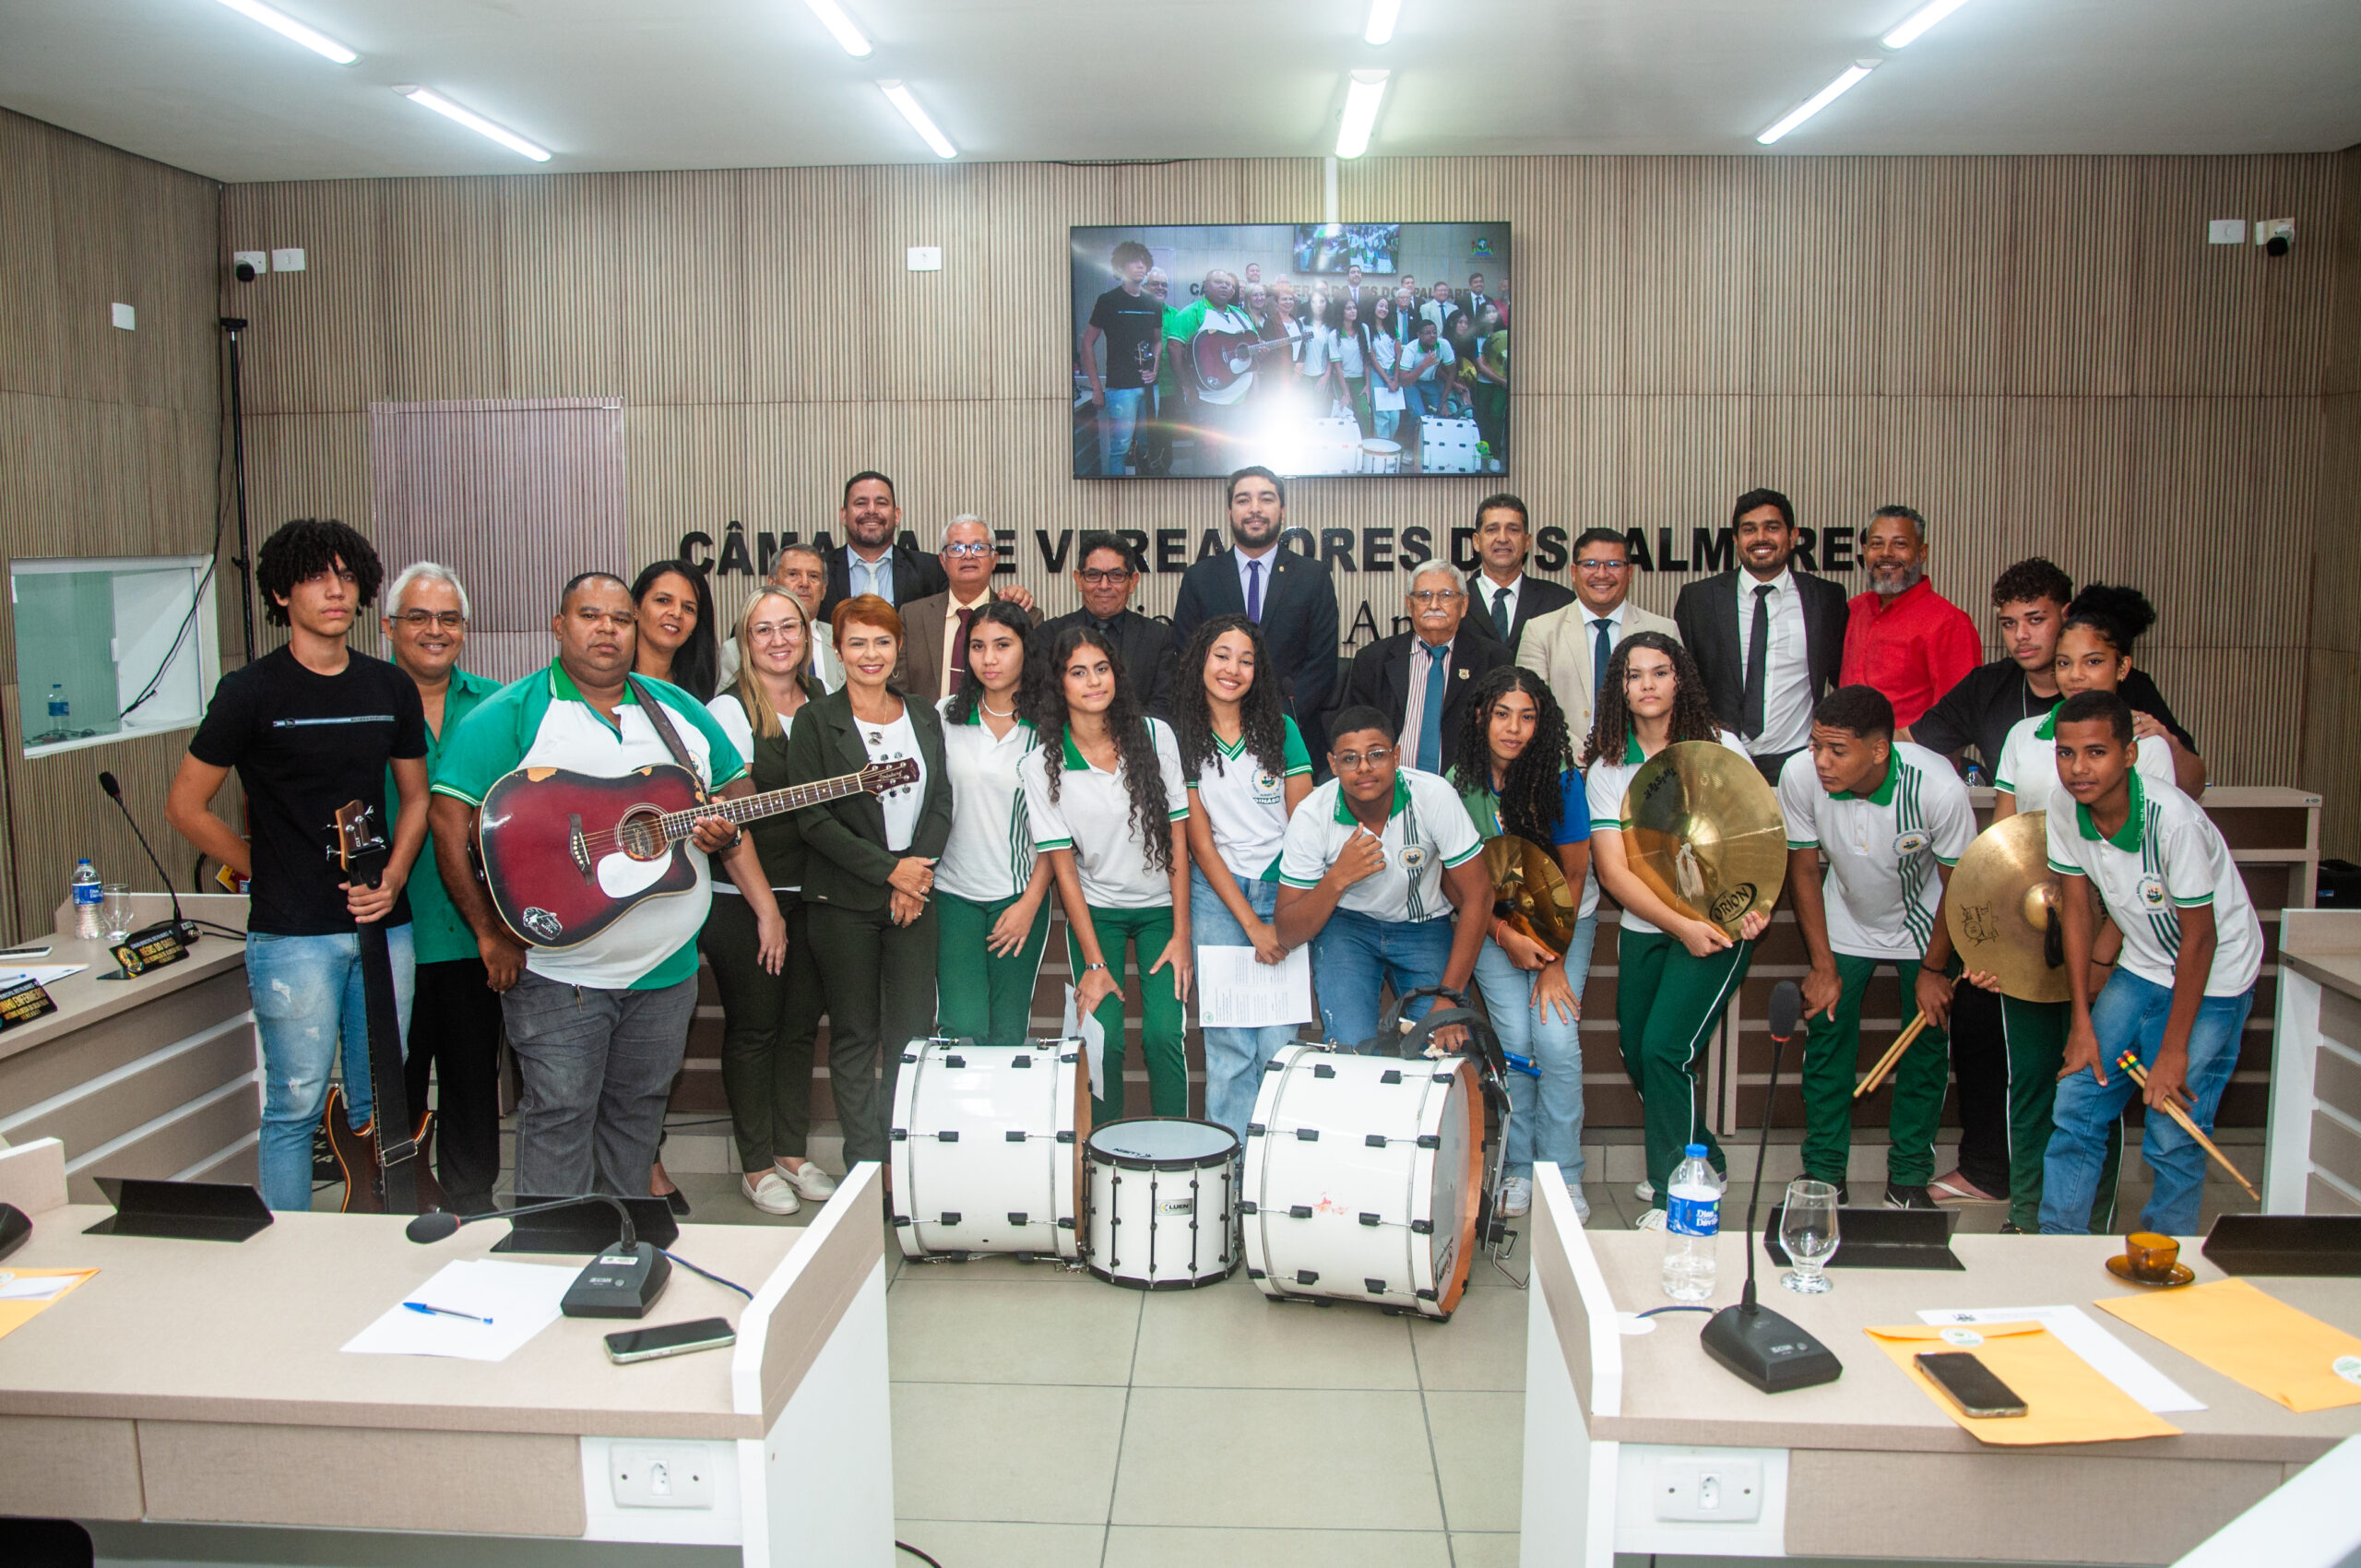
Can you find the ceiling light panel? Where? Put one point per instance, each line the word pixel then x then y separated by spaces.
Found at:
pixel 1382 15
pixel 1362 98
pixel 1820 101
pixel 840 26
pixel 899 97
pixel 427 98
pixel 1920 20
pixel 286 26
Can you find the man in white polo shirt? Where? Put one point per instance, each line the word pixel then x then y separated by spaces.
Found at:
pixel 2180 993
pixel 600 1028
pixel 1376 864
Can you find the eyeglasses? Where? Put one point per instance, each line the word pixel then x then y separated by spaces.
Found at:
pixel 1095 578
pixel 1610 567
pixel 1352 762
pixel 1427 598
pixel 967 550
pixel 418 620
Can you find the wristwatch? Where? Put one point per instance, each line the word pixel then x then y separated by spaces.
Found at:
pixel 1087 968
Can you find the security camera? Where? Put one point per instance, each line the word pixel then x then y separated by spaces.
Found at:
pixel 2275 235
pixel 243 272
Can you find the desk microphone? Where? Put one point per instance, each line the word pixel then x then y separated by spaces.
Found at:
pixel 1756 1343
pixel 624 1280
pixel 183 927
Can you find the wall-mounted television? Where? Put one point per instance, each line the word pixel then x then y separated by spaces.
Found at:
pixel 1199 350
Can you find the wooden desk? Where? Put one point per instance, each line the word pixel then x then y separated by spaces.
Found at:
pixel 1867 1464
pixel 201 1382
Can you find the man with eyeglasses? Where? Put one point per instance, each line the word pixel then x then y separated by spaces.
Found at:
pixel 1569 647
pixel 1108 570
pixel 934 652
pixel 1503 600
pixel 454 1013
pixel 1420 678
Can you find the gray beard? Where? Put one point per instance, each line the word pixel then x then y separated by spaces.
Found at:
pixel 1908 580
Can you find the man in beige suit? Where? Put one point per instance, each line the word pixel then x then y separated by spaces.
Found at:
pixel 1569 647
pixel 935 653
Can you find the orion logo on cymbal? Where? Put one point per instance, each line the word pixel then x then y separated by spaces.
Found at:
pixel 1732 903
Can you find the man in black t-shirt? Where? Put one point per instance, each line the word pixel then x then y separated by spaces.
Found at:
pixel 1131 322
pixel 309 729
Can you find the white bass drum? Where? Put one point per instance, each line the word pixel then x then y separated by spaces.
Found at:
pixel 1159 1216
pixel 986 1148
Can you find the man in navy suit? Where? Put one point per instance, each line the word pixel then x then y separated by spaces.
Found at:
pixel 1291 597
pixel 872 552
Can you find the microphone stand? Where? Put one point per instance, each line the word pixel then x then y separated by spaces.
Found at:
pixel 622 1281
pixel 182 926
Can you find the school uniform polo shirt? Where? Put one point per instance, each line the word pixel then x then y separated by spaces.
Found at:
pixel 1427 832
pixel 544 721
pixel 1092 817
pixel 2167 857
pixel 2028 765
pixel 1882 888
pixel 438 933
pixel 1605 784
pixel 988 856
pixel 1246 804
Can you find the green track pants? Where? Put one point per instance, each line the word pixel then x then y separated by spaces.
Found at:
pixel 1831 1055
pixel 1668 1003
pixel 2037 1036
pixel 1163 1049
pixel 979 995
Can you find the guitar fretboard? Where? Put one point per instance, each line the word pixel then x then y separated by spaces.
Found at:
pixel 754 808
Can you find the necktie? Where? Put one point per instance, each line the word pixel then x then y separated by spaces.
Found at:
pixel 1758 666
pixel 1501 612
pixel 1602 648
pixel 1254 591
pixel 959 648
pixel 1431 718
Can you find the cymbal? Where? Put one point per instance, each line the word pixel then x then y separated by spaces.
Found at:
pixel 1529 890
pixel 2002 901
pixel 1706 834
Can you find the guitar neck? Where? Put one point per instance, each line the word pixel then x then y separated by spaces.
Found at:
pixel 754 808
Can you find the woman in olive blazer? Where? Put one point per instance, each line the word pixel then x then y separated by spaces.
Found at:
pixel 868 868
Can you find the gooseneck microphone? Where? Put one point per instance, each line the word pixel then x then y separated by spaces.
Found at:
pixel 183 927
pixel 624 1280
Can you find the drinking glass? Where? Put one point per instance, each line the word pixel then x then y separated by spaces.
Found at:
pixel 117 915
pixel 1807 1229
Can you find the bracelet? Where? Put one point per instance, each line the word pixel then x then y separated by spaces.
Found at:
pixel 1087 968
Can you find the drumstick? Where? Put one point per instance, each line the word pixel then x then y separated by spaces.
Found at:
pixel 2130 1064
pixel 1892 1054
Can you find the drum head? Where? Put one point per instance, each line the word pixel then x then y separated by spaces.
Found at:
pixel 1163 1140
pixel 1377 447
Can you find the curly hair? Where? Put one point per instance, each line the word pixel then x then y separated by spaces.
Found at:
pixel 1692 711
pixel 696 666
pixel 2117 613
pixel 302 549
pixel 2035 578
pixel 1532 796
pixel 998 613
pixel 1262 716
pixel 1134 747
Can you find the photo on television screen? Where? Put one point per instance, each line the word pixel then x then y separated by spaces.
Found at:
pixel 1361 348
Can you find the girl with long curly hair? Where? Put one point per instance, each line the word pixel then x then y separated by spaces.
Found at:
pixel 1674 974
pixel 1108 812
pixel 1515 770
pixel 1247 769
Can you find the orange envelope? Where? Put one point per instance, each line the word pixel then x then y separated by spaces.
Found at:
pixel 2067 1399
pixel 2252 1338
pixel 15 1314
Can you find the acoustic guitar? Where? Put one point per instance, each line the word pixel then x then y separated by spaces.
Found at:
pixel 564 855
pixel 1221 358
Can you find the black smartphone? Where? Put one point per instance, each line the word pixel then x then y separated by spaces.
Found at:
pixel 669 1339
pixel 1969 1383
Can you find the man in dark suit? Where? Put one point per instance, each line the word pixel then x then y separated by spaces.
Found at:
pixel 1420 678
pixel 1769 640
pixel 1500 597
pixel 870 561
pixel 1107 570
pixel 1291 597
pixel 1474 300
pixel 934 643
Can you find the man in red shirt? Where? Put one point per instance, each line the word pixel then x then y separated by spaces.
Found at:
pixel 1906 639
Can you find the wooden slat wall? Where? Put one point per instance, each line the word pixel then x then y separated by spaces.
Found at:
pixel 2332 676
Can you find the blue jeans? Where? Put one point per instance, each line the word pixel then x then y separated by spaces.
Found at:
pixel 1544 1114
pixel 1234 1058
pixel 2131 1014
pixel 1356 954
pixel 307 996
pixel 1422 399
pixel 1117 421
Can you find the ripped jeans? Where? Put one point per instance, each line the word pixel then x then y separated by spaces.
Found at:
pixel 307 997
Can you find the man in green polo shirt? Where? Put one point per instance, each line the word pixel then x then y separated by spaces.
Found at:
pixel 599 1029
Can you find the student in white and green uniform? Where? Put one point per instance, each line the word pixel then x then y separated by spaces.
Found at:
pixel 1246 770
pixel 991 889
pixel 1888 820
pixel 1109 812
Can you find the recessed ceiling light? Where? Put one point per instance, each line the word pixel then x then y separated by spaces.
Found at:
pixel 1820 101
pixel 1381 16
pixel 1362 99
pixel 426 96
pixel 832 16
pixel 1920 20
pixel 899 97
pixel 288 27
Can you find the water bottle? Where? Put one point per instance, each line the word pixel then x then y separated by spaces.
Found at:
pixel 1692 1219
pixel 59 708
pixel 88 894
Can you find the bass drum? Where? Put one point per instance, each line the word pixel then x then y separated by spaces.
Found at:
pixel 1362 1178
pixel 1160 1215
pixel 986 1148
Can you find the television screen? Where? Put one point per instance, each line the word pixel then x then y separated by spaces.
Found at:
pixel 1364 349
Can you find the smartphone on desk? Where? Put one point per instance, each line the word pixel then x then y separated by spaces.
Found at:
pixel 1969 1383
pixel 670 1339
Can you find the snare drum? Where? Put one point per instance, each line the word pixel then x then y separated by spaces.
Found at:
pixel 1363 1179
pixel 1379 457
pixel 1159 1215
pixel 986 1148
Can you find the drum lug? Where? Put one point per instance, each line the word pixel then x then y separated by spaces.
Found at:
pixel 1274 1065
pixel 1065 1138
pixel 899 1135
pixel 1300 1211
pixel 1066 1222
pixel 1426 1140
pixel 1306 1135
pixel 1322 1070
pixel 1070 1056
pixel 901 1220
pixel 1307 1276
pixel 1254 1129
pixel 1368 1219
pixel 1019 1219
pixel 1445 1077
pixel 951 1135
pixel 1020 1060
pixel 1247 1207
pixel 908 1057
pixel 1016 1137
pixel 1256 1273
pixel 1391 1075
pixel 954 1061
pixel 1374 1140
pixel 1374 1287
pixel 1424 1295
pixel 1422 1228
pixel 949 1219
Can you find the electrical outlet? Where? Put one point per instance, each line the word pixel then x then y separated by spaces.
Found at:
pixel 926 258
pixel 286 260
pixel 258 260
pixel 1709 1491
pixel 660 1477
pixel 2225 230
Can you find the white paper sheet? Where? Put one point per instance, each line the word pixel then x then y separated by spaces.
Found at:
pixel 1094 1044
pixel 38 1287
pixel 47 974
pixel 2081 1332
pixel 1236 992
pixel 521 1299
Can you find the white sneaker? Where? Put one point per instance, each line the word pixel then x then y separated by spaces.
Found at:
pixel 810 1181
pixel 769 1193
pixel 1646 1192
pixel 1652 1220
pixel 1516 1197
pixel 1582 1204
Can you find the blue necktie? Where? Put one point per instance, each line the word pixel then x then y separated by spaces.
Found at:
pixel 1431 718
pixel 1601 651
pixel 1254 591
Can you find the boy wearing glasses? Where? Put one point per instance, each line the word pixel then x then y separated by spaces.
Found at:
pixel 1420 678
pixel 1569 647
pixel 934 655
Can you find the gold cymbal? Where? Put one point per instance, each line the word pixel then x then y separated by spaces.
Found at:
pixel 1529 890
pixel 2001 900
pixel 1706 834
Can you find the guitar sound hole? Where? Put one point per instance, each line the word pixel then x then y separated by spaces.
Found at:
pixel 640 839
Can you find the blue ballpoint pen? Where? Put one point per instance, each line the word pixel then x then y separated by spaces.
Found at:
pixel 443 1312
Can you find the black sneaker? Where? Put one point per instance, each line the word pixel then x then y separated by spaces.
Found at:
pixel 1908 1197
pixel 678 1202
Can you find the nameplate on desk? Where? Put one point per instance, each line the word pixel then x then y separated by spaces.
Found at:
pixel 151 949
pixel 23 1002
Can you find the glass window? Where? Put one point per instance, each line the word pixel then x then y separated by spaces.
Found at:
pixel 112 648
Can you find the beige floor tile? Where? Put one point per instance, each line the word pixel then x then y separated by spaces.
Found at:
pixel 1132 1546
pixel 1008 1331
pixel 997 1451
pixel 1488 1549
pixel 967 1545
pixel 1479 1453
pixel 1481 1347
pixel 1276 1460
pixel 1231 1336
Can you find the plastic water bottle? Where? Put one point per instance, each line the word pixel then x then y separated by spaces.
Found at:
pixel 1692 1219
pixel 59 708
pixel 89 894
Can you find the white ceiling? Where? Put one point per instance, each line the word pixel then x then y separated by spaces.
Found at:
pixel 681 84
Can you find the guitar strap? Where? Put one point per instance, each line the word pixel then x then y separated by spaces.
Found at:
pixel 662 722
